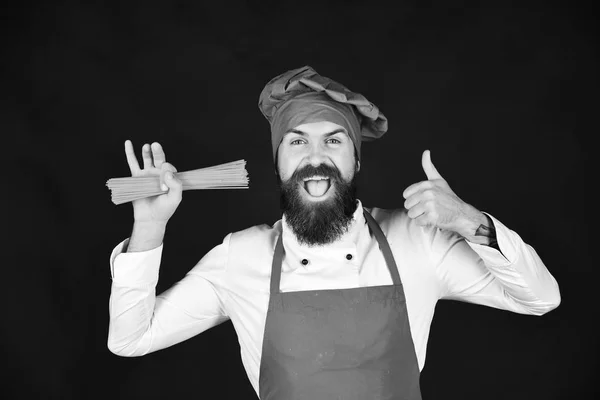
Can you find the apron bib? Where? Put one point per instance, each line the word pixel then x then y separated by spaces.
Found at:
pixel 342 344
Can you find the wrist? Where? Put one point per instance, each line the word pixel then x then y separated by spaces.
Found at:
pixel 470 221
pixel 146 235
pixel 149 225
pixel 478 228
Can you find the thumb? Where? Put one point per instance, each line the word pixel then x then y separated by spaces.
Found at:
pixel 172 181
pixel 167 180
pixel 175 186
pixel 430 170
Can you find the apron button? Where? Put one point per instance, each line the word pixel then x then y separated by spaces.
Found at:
pixel 304 261
pixel 348 256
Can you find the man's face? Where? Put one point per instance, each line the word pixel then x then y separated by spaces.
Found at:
pixel 316 143
pixel 316 166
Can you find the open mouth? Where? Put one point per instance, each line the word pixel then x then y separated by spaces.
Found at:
pixel 317 185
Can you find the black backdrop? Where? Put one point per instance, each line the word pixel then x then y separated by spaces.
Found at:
pixel 503 94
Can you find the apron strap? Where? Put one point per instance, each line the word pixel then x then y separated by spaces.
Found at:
pixel 276 265
pixel 384 246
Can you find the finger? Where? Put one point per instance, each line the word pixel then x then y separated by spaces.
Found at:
pixel 147 156
pixel 132 161
pixel 412 201
pixel 423 220
pixel 416 211
pixel 428 167
pixel 158 154
pixel 416 187
pixel 175 186
pixel 164 169
pixel 168 167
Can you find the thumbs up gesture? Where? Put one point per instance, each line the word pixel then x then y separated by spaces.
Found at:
pixel 433 203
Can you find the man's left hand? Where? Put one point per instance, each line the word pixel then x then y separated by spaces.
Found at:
pixel 432 202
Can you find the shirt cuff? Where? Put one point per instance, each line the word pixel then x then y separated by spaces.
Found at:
pixel 508 250
pixel 140 267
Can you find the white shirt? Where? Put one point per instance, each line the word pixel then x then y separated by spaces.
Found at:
pixel 232 281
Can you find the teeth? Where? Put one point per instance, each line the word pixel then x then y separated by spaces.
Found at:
pixel 315 178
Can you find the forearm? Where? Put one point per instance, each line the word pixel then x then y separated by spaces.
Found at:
pixel 510 276
pixel 146 236
pixel 130 311
pixel 142 322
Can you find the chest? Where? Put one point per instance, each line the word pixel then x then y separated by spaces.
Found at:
pixel 249 276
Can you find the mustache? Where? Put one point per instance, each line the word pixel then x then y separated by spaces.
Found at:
pixel 307 171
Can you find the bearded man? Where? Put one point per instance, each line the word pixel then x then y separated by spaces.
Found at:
pixel 335 300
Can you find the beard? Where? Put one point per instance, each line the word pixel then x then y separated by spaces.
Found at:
pixel 320 222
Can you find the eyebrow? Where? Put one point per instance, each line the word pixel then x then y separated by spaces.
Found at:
pixel 299 132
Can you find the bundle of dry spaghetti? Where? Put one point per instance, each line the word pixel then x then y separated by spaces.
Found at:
pixel 232 175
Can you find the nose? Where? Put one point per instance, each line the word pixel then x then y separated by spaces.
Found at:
pixel 317 154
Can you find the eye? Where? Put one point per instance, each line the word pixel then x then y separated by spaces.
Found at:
pixel 296 141
pixel 333 141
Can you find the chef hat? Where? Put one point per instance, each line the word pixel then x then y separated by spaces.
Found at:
pixel 301 96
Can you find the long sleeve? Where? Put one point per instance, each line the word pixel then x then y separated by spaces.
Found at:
pixel 514 279
pixel 141 322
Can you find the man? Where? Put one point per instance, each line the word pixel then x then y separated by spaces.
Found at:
pixel 334 301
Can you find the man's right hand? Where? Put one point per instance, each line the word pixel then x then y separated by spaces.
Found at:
pixel 156 209
pixel 151 214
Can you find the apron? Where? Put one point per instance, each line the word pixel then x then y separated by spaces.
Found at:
pixel 342 344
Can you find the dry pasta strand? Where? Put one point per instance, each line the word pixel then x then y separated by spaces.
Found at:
pixel 231 175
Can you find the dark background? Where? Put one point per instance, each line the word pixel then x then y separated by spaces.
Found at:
pixel 504 94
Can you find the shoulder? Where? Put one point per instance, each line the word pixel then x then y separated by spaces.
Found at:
pixel 398 226
pixel 391 219
pixel 250 251
pixel 256 236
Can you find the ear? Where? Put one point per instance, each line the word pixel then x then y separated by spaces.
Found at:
pixel 276 162
pixel 357 158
